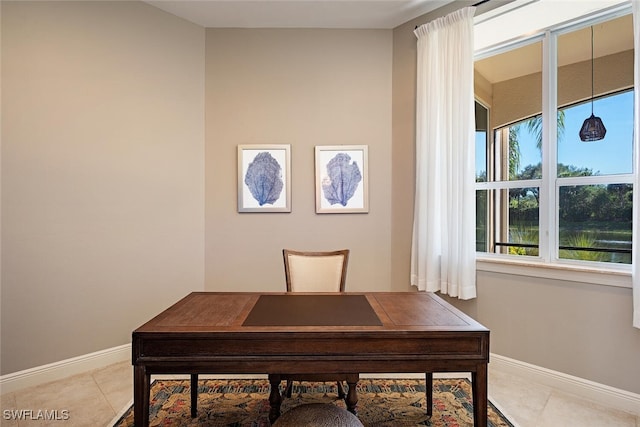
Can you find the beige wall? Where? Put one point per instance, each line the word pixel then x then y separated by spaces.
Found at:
pixel 102 173
pixel 304 88
pixel 580 329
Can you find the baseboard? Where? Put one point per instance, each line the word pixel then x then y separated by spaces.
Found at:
pixel 64 368
pixel 602 394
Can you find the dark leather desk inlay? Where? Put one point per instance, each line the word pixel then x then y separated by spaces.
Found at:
pixel 312 310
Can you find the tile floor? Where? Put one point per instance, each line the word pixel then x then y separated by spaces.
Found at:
pixel 95 398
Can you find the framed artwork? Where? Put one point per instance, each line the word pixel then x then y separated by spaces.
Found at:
pixel 264 178
pixel 342 179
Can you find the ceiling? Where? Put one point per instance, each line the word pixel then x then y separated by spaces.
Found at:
pixel 298 13
pixel 386 14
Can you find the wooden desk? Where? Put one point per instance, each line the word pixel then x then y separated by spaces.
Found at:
pixel 249 333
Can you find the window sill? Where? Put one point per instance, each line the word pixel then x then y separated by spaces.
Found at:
pixel 566 272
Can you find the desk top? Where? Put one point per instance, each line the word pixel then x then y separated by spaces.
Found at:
pixel 239 312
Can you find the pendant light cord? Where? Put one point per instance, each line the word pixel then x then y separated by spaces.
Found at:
pixel 592 129
pixel 592 61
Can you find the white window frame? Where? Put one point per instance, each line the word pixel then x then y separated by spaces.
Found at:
pixel 548 264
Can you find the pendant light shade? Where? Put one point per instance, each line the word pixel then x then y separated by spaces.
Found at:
pixel 592 129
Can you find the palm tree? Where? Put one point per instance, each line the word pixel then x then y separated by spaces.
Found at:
pixel 514 151
pixel 534 126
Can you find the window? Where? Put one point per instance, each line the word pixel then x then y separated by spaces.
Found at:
pixel 541 193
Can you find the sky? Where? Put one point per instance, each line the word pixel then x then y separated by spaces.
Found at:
pixel 611 155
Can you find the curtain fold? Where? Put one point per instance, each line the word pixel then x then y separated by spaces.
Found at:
pixel 635 256
pixel 443 241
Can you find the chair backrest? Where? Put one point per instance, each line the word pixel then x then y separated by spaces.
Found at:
pixel 315 271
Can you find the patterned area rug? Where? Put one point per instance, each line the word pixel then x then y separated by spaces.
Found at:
pixel 381 403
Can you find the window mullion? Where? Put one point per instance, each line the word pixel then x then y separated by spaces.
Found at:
pixel 548 193
pixel 500 185
pixel 596 179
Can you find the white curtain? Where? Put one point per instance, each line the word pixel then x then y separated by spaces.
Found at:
pixel 443 245
pixel 635 257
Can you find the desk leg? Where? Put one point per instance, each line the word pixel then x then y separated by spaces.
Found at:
pixel 479 388
pixel 194 395
pixel 352 395
pixel 429 393
pixel 275 399
pixel 141 389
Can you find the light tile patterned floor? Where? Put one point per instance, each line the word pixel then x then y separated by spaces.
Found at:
pixel 95 398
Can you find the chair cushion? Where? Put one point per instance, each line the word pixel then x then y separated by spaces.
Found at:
pixel 318 415
pixel 315 273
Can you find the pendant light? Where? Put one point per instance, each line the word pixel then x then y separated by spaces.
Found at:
pixel 592 129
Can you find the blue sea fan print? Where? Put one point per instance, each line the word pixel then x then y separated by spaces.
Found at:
pixel 343 177
pixel 264 179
